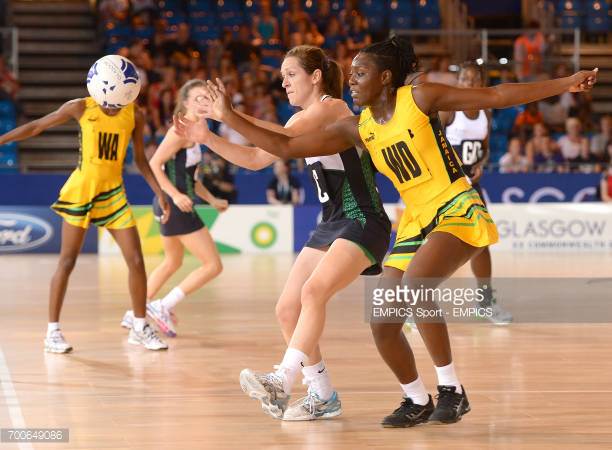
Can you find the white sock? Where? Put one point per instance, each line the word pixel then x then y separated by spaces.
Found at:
pixel 173 298
pixel 416 392
pixel 318 379
pixel 448 377
pixel 51 327
pixel 290 367
pixel 139 324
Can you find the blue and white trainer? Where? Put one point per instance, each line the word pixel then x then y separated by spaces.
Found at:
pixel 311 407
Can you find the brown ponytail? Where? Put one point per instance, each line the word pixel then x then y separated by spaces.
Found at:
pixel 312 58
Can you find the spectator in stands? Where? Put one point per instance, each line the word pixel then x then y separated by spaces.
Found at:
pixel 294 15
pixel 284 188
pixel 333 34
pixel 242 48
pixel 358 36
pixel 181 45
pixel 555 110
pixel 526 120
pixel 314 35
pixel 605 185
pixel 543 152
pixel 586 162
pixel 529 49
pixel 322 15
pixel 218 179
pixel 439 72
pixel 9 86
pixel 573 144
pixel 513 161
pixel 601 140
pixel 167 82
pixel 114 9
pixel 265 25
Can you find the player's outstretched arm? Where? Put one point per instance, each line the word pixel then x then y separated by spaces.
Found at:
pixel 434 97
pixel 72 109
pixel 337 137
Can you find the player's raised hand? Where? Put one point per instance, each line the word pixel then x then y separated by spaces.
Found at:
pixel 222 104
pixel 584 80
pixel 205 107
pixel 191 130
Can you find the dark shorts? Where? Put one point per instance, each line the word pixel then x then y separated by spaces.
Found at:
pixel 372 237
pixel 180 222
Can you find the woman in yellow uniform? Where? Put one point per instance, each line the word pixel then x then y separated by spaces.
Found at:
pixel 94 194
pixel 445 222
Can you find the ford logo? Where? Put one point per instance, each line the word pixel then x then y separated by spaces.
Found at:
pixel 22 232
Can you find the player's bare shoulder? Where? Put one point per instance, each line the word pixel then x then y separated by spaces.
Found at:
pixel 332 109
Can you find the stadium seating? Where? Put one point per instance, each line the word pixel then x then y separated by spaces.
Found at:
pixel 8 153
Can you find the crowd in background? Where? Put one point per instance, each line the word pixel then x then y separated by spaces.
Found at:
pixel 556 135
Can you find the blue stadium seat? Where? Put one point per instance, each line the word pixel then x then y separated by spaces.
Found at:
pixel 251 7
pixel 569 5
pixel 7 110
pixel 376 22
pixel 115 29
pixel 6 125
pixel 194 6
pixel 203 19
pixel 337 5
pixel 170 5
pixel 229 6
pixel 597 16
pixel 372 8
pixel 428 14
pixel 570 20
pixel 271 54
pixel 310 6
pixel 279 7
pixel 284 111
pixel 144 33
pixel 498 144
pixel 204 34
pixel 8 157
pixel 503 120
pixel 398 21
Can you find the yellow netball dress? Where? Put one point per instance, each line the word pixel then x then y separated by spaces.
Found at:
pixel 412 151
pixel 94 193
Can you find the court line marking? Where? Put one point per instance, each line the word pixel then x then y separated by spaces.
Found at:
pixel 12 401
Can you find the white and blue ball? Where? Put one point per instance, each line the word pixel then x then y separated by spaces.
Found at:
pixel 113 81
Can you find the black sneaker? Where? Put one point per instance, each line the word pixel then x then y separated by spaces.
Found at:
pixel 408 414
pixel 451 406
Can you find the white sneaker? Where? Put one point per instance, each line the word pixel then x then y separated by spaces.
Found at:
pixel 55 343
pixel 128 319
pixel 311 407
pixel 500 316
pixel 268 389
pixel 162 318
pixel 148 338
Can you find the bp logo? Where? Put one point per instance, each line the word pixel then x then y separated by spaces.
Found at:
pixel 263 235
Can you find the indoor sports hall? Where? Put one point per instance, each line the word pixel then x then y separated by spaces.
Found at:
pixel 198 264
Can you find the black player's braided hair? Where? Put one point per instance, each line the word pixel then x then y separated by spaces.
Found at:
pixel 395 54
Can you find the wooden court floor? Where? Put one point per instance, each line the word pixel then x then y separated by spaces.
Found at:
pixel 531 386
